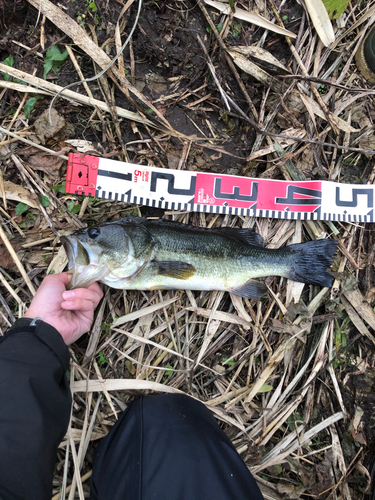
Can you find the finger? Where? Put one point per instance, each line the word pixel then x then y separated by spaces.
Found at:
pixel 85 294
pixel 83 305
pixel 96 288
pixel 63 278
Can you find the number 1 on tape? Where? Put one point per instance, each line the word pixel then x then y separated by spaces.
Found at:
pixel 217 193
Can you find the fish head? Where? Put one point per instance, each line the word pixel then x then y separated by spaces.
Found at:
pixel 96 252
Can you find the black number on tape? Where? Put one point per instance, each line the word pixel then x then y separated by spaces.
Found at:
pixel 236 192
pixel 171 189
pixel 355 193
pixel 292 190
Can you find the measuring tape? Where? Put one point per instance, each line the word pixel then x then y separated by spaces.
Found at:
pixel 217 193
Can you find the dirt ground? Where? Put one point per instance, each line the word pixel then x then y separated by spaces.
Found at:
pixel 274 371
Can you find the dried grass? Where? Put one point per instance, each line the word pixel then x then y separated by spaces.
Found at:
pixel 272 370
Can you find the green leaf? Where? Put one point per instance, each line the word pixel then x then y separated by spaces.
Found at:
pixel 73 208
pixel 93 6
pixel 102 360
pixel 265 388
pixel 29 106
pixel 170 371
pixel 21 208
pixel 47 67
pixel 45 201
pixel 53 56
pixel 294 419
pixel 335 7
pixel 148 110
pixel 9 61
pixel 59 187
pixel 225 361
pixel 16 80
pixel 28 221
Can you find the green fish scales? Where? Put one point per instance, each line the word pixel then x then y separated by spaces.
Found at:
pixel 142 254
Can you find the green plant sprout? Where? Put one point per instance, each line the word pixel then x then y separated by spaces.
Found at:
pixel 53 60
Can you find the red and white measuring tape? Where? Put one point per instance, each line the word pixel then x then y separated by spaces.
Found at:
pixel 217 193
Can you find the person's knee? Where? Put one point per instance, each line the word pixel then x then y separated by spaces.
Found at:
pixel 176 409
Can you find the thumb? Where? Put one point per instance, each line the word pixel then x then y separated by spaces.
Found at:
pixel 64 278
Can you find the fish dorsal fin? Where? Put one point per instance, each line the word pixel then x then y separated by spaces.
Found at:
pixel 175 269
pixel 247 235
pixel 250 290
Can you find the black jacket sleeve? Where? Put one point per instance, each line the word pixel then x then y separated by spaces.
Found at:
pixel 35 403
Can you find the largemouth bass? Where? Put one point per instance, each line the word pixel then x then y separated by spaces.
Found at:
pixel 141 254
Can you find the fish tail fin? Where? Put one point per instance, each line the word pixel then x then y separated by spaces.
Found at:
pixel 310 261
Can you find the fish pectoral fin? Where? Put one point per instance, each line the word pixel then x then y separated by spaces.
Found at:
pixel 250 290
pixel 175 269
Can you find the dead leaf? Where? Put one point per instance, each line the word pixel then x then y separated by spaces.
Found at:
pixel 46 163
pixel 44 129
pixel 368 143
pixel 261 54
pixel 293 132
pixel 38 258
pixel 173 157
pixel 320 19
pixel 250 17
pixel 306 162
pixel 18 193
pixel 290 491
pixel 6 150
pixel 83 146
pixel 359 115
pixel 59 262
pixel 255 71
pixel 314 107
pixel 6 260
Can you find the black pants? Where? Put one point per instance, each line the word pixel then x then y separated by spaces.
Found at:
pixel 169 447
pixel 162 448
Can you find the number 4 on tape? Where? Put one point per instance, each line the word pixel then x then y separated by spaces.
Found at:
pixel 216 193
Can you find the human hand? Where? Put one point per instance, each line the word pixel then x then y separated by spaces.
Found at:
pixel 70 312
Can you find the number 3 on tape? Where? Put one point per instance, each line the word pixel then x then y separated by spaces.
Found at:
pixel 216 193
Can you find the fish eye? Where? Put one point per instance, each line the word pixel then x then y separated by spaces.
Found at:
pixel 93 232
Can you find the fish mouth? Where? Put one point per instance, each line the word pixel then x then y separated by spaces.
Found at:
pixel 76 252
pixel 78 260
pixel 85 271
